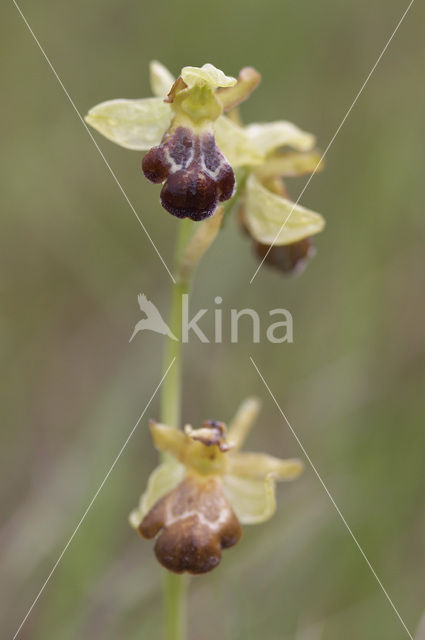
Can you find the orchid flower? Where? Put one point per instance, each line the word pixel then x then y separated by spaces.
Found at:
pixel 193 149
pixel 197 500
pixel 280 228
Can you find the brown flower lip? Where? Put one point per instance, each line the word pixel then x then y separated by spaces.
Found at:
pixel 290 259
pixel 195 173
pixel 195 523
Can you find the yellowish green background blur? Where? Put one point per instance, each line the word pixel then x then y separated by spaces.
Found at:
pixel 73 259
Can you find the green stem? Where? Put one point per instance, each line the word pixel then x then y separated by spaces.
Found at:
pixel 171 387
pixel 175 586
pixel 175 590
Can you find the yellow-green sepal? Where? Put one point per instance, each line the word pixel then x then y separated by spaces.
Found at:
pixel 161 80
pixel 253 501
pixel 133 124
pixel 235 144
pixel 207 75
pixel 272 135
pixel 272 219
pixel 162 480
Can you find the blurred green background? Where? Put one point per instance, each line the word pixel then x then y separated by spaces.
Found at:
pixel 73 258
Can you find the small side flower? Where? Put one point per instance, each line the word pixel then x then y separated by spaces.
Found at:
pixel 281 229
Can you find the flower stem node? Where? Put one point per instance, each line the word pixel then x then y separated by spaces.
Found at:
pixel 196 501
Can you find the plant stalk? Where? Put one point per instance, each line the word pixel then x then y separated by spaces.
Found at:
pixel 175 587
pixel 192 242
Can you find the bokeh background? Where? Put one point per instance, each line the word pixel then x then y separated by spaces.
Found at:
pixel 73 258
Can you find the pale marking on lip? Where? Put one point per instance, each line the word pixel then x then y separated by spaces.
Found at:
pixel 214 525
pixel 197 156
pixel 212 174
pixel 174 166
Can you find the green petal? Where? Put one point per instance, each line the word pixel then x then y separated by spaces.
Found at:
pixel 168 439
pixel 161 79
pixel 208 75
pixel 248 80
pixel 272 135
pixel 290 164
pixel 234 143
pixel 161 481
pixel 262 465
pixel 253 501
pixel 272 219
pixel 134 124
pixel 242 423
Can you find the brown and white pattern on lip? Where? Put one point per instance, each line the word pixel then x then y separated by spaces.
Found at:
pixel 194 522
pixel 197 176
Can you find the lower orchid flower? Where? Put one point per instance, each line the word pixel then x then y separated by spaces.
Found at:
pixel 197 500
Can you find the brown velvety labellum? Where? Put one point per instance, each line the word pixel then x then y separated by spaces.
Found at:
pixel 195 522
pixel 289 258
pixel 196 174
